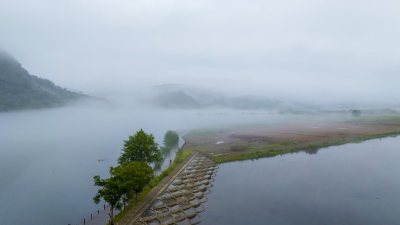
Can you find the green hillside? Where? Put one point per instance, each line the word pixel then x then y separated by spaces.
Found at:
pixel 176 99
pixel 21 90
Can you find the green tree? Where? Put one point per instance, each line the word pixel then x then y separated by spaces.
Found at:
pixel 111 192
pixel 140 147
pixel 171 138
pixel 356 112
pixel 133 176
pixel 124 179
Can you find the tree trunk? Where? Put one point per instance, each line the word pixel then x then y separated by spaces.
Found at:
pixel 111 214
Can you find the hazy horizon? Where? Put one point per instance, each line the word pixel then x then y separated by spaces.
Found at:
pixel 236 80
pixel 335 51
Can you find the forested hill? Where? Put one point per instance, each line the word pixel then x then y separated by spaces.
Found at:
pixel 21 90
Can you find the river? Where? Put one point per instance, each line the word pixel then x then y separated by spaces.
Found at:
pixel 348 184
pixel 48 157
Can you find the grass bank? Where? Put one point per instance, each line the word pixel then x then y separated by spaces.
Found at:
pixel 180 157
pixel 310 148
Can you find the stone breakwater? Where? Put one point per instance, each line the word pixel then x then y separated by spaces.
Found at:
pixel 182 201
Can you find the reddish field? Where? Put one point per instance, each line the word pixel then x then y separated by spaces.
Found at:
pixel 245 140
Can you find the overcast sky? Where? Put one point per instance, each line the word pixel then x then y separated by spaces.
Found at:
pixel 304 49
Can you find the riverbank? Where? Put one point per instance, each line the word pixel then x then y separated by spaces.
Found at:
pixel 347 184
pixel 155 186
pixel 180 199
pixel 234 144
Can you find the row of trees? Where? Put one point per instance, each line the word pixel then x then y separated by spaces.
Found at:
pixel 131 175
pixel 134 170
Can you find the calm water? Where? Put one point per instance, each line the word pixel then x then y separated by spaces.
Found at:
pixel 48 157
pixel 350 184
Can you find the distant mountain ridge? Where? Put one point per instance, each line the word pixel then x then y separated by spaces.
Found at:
pixel 21 90
pixel 181 96
pixel 176 99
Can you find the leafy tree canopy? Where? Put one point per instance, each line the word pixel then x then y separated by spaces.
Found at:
pixel 140 147
pixel 171 138
pixel 111 191
pixel 124 179
pixel 133 176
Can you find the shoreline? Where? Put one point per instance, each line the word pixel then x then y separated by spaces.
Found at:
pixel 259 143
pixel 143 203
pixel 310 149
pixel 128 213
pixel 237 144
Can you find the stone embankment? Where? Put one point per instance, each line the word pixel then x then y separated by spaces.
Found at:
pixel 179 199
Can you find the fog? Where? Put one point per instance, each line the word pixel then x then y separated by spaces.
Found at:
pixel 304 56
pixel 330 51
pixel 48 157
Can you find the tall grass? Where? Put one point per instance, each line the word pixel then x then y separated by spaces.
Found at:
pixel 311 148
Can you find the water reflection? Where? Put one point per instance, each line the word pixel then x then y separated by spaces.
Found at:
pixel 350 184
pixel 48 157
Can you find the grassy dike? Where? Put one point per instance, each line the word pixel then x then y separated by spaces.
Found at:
pixel 180 157
pixel 310 148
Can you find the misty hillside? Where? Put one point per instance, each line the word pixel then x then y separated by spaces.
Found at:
pixel 181 96
pixel 176 99
pixel 21 90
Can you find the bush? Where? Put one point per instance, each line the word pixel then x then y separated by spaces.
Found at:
pixel 171 138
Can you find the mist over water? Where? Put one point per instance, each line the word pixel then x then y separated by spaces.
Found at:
pixel 348 184
pixel 48 157
pixel 236 63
